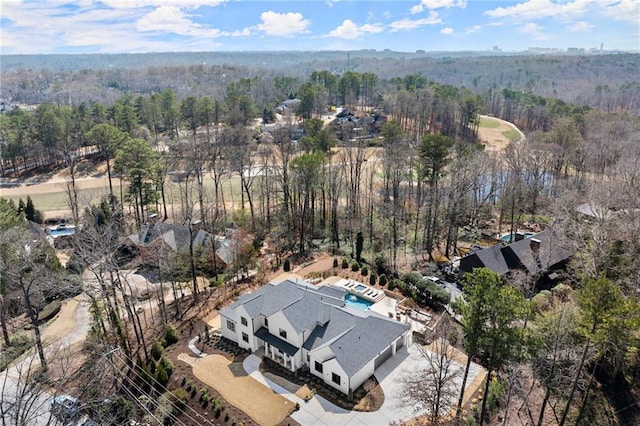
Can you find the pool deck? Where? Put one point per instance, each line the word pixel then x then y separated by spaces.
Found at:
pixel 359 289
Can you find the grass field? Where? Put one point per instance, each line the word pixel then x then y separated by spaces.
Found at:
pixel 51 197
pixel 511 135
pixel 55 199
pixel 489 123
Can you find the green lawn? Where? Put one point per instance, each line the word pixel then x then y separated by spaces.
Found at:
pixel 489 123
pixel 511 134
pixel 57 200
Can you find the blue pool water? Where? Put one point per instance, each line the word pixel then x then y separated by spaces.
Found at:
pixel 62 231
pixel 357 302
pixel 361 287
pixel 507 237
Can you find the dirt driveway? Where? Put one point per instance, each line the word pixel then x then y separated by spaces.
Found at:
pixel 264 406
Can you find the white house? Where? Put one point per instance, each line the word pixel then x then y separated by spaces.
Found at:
pixel 300 325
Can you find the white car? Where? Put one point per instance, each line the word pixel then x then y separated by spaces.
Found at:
pixel 65 406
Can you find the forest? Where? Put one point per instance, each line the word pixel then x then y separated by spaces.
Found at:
pixel 381 163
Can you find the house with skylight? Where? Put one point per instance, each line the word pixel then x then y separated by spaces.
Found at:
pixel 301 326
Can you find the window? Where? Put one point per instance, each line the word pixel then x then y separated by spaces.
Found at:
pixel 283 333
pixel 335 378
pixel 308 358
pixel 318 367
pixel 243 320
pixel 245 337
pixel 231 325
pixel 266 322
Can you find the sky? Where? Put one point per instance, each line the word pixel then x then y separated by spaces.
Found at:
pixel 134 26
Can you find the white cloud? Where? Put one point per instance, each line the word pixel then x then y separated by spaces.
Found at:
pixel 282 24
pixel 437 4
pixel 351 30
pixel 623 10
pixel 472 29
pixel 172 19
pixel 387 14
pixel 409 24
pixel 446 31
pixel 134 4
pixel 45 28
pixel 533 30
pixel 581 27
pixel 536 9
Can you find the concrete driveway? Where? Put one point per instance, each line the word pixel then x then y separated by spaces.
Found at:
pixel 318 411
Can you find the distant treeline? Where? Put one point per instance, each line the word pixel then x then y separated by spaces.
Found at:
pixel 605 81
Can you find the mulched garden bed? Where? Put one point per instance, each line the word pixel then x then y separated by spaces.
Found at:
pixel 362 400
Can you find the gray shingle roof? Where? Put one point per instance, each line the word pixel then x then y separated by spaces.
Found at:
pixel 551 252
pixel 175 236
pixel 491 258
pixel 339 322
pixel 362 343
pixel 355 337
pixel 520 255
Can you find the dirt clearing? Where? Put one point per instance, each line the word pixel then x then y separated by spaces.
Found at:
pixel 495 134
pixel 265 407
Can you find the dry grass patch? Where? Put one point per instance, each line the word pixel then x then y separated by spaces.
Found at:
pixel 64 322
pixel 242 391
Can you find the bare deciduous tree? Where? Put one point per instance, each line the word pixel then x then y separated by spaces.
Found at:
pixel 433 389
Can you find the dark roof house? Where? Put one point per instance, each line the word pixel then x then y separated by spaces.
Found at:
pixel 542 253
pixel 160 238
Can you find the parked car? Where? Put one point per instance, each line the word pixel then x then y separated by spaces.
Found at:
pixel 65 407
pixel 437 281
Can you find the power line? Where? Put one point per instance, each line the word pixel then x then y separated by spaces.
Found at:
pixel 168 412
pixel 124 358
pixel 142 392
pixel 133 397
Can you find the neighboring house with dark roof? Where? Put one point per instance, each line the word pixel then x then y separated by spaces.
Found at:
pixel 160 239
pixel 37 231
pixel 300 325
pixel 288 107
pixel 5 106
pixel 542 254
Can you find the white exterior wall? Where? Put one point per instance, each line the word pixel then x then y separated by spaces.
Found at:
pixel 241 312
pixel 231 335
pixel 330 367
pixel 278 321
pixel 361 376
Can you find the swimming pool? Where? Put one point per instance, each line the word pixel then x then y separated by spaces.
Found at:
pixel 361 288
pixel 62 231
pixel 507 237
pixel 357 302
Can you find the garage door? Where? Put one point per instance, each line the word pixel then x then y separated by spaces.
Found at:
pixel 383 357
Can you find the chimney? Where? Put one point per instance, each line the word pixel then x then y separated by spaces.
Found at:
pixel 195 226
pixel 535 245
pixel 535 248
